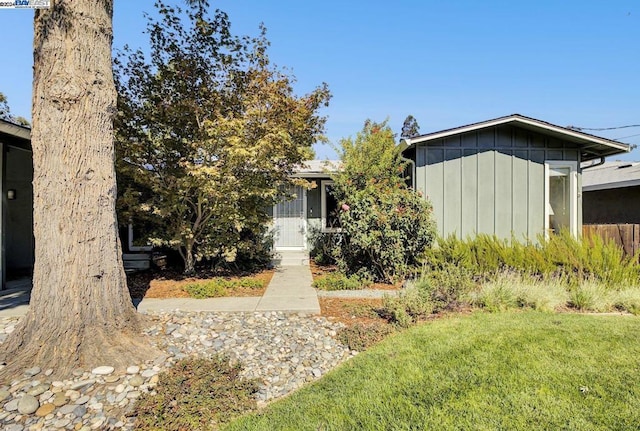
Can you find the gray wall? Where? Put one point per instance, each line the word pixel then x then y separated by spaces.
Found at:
pixel 620 205
pixel 19 212
pixel 489 181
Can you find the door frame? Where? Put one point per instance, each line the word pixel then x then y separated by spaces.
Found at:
pixel 573 185
pixel 304 225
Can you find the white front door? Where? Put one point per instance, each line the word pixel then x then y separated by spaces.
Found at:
pixel 290 222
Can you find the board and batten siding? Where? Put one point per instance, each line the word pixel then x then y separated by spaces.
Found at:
pixel 490 181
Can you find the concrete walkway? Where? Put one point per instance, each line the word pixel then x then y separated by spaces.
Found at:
pixel 289 291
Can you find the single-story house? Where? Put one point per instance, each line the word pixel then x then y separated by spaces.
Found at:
pixel 507 176
pixel 311 210
pixel 16 207
pixel 611 193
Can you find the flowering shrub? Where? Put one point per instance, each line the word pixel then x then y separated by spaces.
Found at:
pixel 386 227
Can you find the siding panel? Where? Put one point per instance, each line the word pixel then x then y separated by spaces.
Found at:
pixel 503 194
pixel 486 192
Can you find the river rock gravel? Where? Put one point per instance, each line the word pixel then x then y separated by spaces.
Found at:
pixel 284 351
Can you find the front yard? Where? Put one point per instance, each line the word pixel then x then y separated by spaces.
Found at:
pixel 512 370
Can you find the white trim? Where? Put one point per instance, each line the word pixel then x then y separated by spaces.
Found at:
pixel 573 185
pixel 323 207
pixel 305 225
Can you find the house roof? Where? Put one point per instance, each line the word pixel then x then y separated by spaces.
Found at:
pixel 611 175
pixel 592 147
pixel 317 168
pixel 15 135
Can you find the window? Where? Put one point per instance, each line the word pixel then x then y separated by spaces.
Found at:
pixel 561 197
pixel 330 208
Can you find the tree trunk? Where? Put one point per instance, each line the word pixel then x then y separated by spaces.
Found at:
pixel 81 313
pixel 189 261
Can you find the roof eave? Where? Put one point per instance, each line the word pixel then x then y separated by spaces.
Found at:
pixel 601 147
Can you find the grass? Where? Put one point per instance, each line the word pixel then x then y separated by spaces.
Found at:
pixel 486 371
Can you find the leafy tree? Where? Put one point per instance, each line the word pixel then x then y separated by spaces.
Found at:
pixel 5 113
pixel 385 226
pixel 208 134
pixel 80 313
pixel 410 127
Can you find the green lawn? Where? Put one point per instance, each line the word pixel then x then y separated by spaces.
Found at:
pixel 507 371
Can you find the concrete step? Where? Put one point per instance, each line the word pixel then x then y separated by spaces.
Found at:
pixel 291 258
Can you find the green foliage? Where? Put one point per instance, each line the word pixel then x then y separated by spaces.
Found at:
pixel 385 226
pixel 410 306
pixel 208 133
pixel 5 113
pixel 217 287
pixel 361 336
pixel 322 246
pixel 446 286
pixel 560 255
pixel 196 394
pixel 339 281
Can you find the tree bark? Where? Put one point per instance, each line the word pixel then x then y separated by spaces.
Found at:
pixel 81 314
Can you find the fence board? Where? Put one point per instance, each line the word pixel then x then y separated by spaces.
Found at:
pixel 625 235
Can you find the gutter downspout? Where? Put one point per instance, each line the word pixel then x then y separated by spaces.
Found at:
pixel 601 162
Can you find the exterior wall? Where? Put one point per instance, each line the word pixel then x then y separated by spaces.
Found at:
pixel 621 205
pixel 490 181
pixel 19 212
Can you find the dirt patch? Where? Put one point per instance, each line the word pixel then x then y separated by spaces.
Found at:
pixel 351 310
pixel 170 285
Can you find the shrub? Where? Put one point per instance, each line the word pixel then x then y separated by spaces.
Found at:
pixel 196 394
pixel 211 289
pixel 360 336
pixel 587 296
pixel 411 305
pixel 627 300
pixel 543 295
pixel 339 281
pixel 559 255
pixel 447 286
pixel 322 246
pixel 496 295
pixel 385 226
pixel 217 287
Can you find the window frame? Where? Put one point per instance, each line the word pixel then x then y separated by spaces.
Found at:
pixel 573 194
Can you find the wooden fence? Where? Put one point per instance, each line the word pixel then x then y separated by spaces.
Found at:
pixel 625 235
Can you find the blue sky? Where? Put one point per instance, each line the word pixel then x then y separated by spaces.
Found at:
pixel 448 63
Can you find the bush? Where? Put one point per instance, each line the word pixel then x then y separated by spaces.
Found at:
pixel 339 281
pixel 214 288
pixel 385 226
pixel 361 336
pixel 322 246
pixel 498 295
pixel 560 255
pixel 447 286
pixel 217 287
pixel 410 306
pixel 588 296
pixel 196 394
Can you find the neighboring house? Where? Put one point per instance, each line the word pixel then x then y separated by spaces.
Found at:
pixel 611 193
pixel 508 176
pixel 512 175
pixel 16 215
